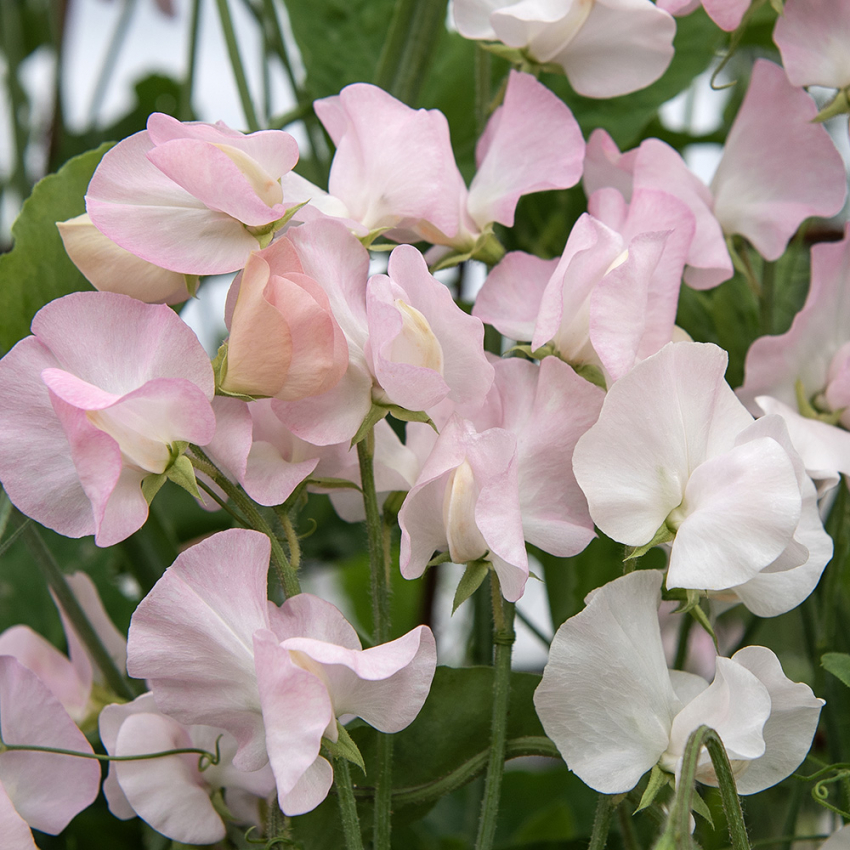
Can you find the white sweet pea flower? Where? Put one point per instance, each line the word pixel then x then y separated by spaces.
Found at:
pixel 614 710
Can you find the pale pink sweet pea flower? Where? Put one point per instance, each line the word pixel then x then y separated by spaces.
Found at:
pixel 606 48
pixel 727 14
pixel 809 364
pixel 216 652
pixel 778 168
pixel 39 790
pixel 193 198
pixel 284 341
pixel 614 710
pixel 676 457
pixel 394 166
pixel 409 344
pixel 812 37
pixel 171 793
pixel 109 268
pixel 102 395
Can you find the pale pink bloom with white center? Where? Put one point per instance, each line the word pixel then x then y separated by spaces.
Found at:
pixel 394 166
pixel 216 652
pixel 171 793
pixel 812 37
pixel 109 268
pixel 193 198
pixel 655 165
pixel 466 502
pixel 674 451
pixel 610 300
pixel 39 790
pixel 727 14
pixel 606 47
pixel 94 402
pixel 614 710
pixel 409 344
pixel 813 356
pixel 284 341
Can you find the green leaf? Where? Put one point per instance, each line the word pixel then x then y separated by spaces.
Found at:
pixel 37 269
pixel 340 40
pixel 473 576
pixel 837 663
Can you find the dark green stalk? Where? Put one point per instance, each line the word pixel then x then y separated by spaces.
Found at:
pixel 682 647
pixel 106 72
pixel 380 586
pixel 185 110
pixel 503 638
pixel 237 66
pixel 768 297
pixel 11 31
pixel 601 822
pixel 347 805
pixel 627 829
pixel 65 597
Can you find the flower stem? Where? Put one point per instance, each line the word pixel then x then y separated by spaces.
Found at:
pixel 66 599
pixel 503 638
pixel 605 806
pixel 238 67
pixel 347 805
pixel 379 564
pixel 185 107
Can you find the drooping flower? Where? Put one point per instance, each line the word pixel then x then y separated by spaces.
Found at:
pixel 106 392
pixel 217 653
pixel 614 710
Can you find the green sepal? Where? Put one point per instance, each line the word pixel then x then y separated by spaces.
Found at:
pixel 376 413
pixel 837 106
pixel 473 576
pixel 545 350
pixel 333 484
pixel 393 502
pixel 522 59
pixel 406 415
pixel 778 6
pixel 219 365
pixel 690 604
pixel 367 240
pixel 265 233
pixel 182 472
pixel 344 748
pixel 663 535
pixel 217 800
pixel 442 558
pixel 700 807
pixel 486 248
pixel 658 780
pixel 192 283
pixel 808 409
pixel 152 484
pixel 592 374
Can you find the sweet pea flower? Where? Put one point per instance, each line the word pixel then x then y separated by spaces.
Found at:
pixel 171 793
pixel 394 167
pixel 614 710
pixel 193 198
pixel 216 652
pixel 675 458
pixel 109 268
pixel 107 392
pixel 284 341
pixel 727 14
pixel 802 375
pixel 606 48
pixel 39 790
pixel 409 344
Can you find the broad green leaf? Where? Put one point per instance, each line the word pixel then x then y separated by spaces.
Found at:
pixel 837 663
pixel 340 40
pixel 37 269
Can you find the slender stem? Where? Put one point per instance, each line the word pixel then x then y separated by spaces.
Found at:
pixel 66 599
pixel 627 829
pixel 186 89
pixel 380 585
pixel 106 72
pixel 767 299
pixel 347 805
pixel 601 822
pixel 11 31
pixel 288 577
pixel 503 638
pixel 212 758
pixel 682 647
pixel 546 641
pixel 292 540
pixel 237 66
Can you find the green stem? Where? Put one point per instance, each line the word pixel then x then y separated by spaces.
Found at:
pixel 212 758
pixel 66 599
pixel 503 638
pixel 237 66
pixel 682 647
pixel 605 806
pixel 627 829
pixel 106 72
pixel 347 805
pixel 414 30
pixel 185 110
pixel 483 65
pixel 546 641
pixel 767 300
pixel 11 30
pixel 292 541
pixel 380 585
pixel 288 577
